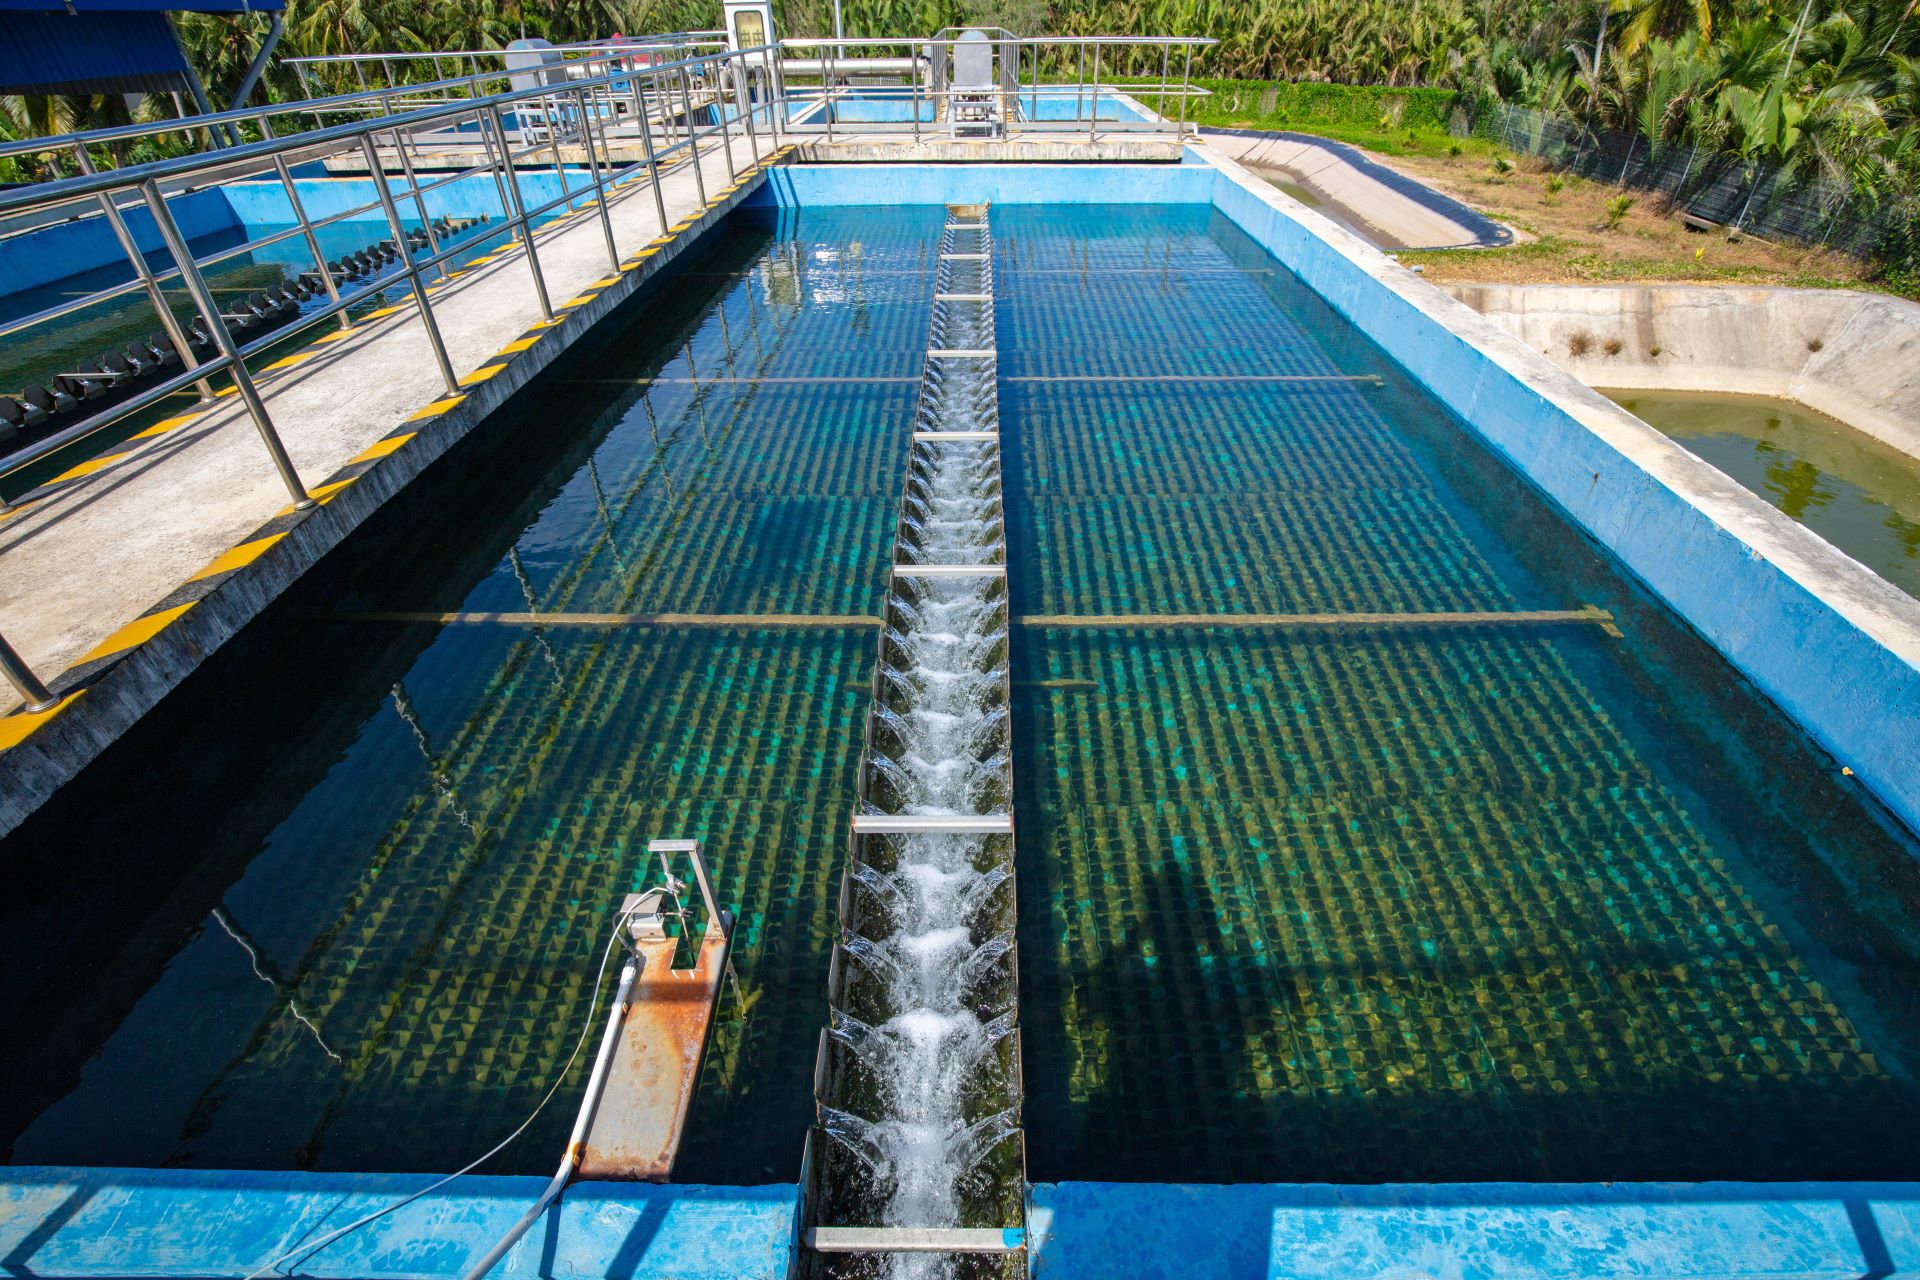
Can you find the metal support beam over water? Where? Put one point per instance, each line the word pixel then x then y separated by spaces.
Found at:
pixel 916 1240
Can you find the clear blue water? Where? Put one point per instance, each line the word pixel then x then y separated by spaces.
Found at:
pixel 1518 902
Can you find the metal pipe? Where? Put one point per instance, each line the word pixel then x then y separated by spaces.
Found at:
pixel 1093 123
pixel 38 697
pixel 693 142
pixel 518 217
pixel 719 109
pixel 1186 86
pixel 259 64
pixel 576 1142
pixel 313 241
pixel 599 187
pixel 412 269
pixel 217 327
pixel 652 161
pixel 743 102
pixel 169 322
pixel 379 176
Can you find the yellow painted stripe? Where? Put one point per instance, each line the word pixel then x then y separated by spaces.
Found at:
pixel 518 345
pixel 238 558
pixel 381 448
pixel 649 251
pixel 479 376
pixel 601 284
pixel 287 362
pixel 170 424
pixel 435 409
pixel 582 300
pixel 658 241
pixel 15 729
pixel 335 336
pixel 92 465
pixel 227 391
pixel 547 324
pixel 682 226
pixel 137 632
pixel 383 312
pixel 324 494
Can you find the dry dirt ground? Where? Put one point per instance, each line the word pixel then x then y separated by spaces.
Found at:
pixel 1563 237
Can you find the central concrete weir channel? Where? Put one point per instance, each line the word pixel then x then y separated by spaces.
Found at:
pixel 917 1162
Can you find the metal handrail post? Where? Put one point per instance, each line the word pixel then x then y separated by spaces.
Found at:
pixel 313 241
pixel 646 149
pixel 744 102
pixel 20 676
pixel 1080 83
pixel 168 321
pixel 693 142
pixel 1166 67
pixel 1186 87
pixel 1093 121
pixel 413 274
pixel 413 187
pixel 826 94
pixel 913 78
pixel 217 326
pixel 517 216
pixel 599 187
pixel 726 125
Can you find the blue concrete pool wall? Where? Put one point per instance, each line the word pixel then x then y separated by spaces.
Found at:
pixel 52 253
pixel 1849 675
pixel 175 1222
pixel 1476 1231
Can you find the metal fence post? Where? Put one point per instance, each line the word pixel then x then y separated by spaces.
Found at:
pixel 169 322
pixel 726 126
pixel 1186 87
pixel 599 187
pixel 20 676
pixel 517 215
pixel 379 177
pixel 313 241
pixel 217 327
pixel 744 101
pixel 1093 121
pixel 413 272
pixel 693 141
pixel 646 148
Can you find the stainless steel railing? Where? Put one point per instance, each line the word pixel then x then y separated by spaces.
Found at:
pixel 1047 84
pixel 649 105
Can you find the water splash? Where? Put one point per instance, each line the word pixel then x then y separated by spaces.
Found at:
pixel 926 1003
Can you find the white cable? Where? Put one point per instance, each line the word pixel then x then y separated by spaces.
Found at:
pixel 307 1251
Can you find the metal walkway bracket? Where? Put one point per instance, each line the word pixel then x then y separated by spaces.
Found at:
pixel 916 1239
pixel 916 824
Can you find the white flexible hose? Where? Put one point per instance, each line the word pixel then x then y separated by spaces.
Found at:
pixel 305 1251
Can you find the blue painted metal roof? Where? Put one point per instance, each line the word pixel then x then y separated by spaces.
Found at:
pixel 99 46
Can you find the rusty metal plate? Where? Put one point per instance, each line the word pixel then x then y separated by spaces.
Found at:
pixel 636 1129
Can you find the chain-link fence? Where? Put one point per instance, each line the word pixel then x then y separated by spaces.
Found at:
pixel 1711 185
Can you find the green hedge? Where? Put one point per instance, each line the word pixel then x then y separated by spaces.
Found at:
pixel 1308 105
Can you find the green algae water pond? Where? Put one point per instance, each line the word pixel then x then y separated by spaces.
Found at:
pixel 1859 493
pixel 1354 900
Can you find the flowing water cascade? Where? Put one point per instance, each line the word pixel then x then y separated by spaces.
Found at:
pixel 918 1079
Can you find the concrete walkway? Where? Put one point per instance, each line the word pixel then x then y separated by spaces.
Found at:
pixel 100 565
pixel 1391 210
